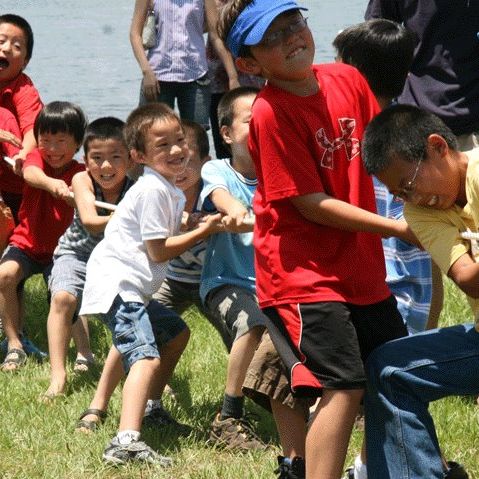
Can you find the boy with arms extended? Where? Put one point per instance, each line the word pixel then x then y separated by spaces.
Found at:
pixel 48 172
pixel 129 264
pixel 18 95
pixel 179 290
pixel 227 285
pixel 316 231
pixel 106 162
pixel 417 157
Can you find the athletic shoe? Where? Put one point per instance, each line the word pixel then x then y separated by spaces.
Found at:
pixel 160 417
pixel 231 433
pixel 455 471
pixel 136 451
pixel 291 468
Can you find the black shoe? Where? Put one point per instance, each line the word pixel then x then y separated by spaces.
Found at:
pixel 455 471
pixel 291 468
pixel 160 417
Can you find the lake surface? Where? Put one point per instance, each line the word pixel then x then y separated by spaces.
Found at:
pixel 82 51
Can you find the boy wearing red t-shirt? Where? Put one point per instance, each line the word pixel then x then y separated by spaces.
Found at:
pixel 45 212
pixel 18 95
pixel 319 262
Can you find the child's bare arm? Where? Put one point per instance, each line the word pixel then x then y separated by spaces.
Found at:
pixel 465 273
pixel 234 211
pixel 326 210
pixel 37 178
pixel 161 250
pixel 85 202
pixel 28 144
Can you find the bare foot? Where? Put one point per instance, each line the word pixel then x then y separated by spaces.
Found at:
pixel 54 391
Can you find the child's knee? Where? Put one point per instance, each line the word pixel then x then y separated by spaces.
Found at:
pixel 63 300
pixel 10 275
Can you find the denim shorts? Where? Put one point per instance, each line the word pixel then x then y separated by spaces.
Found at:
pixel 139 332
pixel 236 308
pixel 68 274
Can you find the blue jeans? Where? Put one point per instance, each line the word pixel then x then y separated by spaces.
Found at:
pixel 139 331
pixel 193 99
pixel 404 376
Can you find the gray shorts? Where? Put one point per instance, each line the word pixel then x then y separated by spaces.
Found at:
pixel 236 308
pixel 68 274
pixel 178 295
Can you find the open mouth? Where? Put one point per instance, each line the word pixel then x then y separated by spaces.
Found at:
pixel 4 63
pixel 433 201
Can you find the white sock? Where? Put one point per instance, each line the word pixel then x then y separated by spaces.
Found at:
pixel 360 470
pixel 127 436
pixel 152 404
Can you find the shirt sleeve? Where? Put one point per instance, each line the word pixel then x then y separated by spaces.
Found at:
pixel 213 176
pixel 28 105
pixel 288 166
pixel 155 214
pixel 439 233
pixel 34 159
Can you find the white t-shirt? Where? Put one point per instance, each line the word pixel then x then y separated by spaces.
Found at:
pixel 119 264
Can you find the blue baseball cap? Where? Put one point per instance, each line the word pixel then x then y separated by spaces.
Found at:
pixel 252 23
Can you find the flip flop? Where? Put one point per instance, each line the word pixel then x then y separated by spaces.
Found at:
pixel 15 357
pixel 90 426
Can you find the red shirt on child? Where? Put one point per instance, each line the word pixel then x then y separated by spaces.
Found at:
pixel 21 98
pixel 303 145
pixel 42 218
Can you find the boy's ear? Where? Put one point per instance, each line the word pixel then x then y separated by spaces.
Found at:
pixel 436 144
pixel 225 134
pixel 248 65
pixel 137 156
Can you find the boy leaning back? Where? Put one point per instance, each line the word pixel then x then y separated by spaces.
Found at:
pixel 417 157
pixel 128 266
pixel 316 231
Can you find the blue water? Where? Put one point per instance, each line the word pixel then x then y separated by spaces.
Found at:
pixel 82 51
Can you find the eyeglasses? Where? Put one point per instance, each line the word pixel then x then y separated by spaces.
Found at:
pixel 408 189
pixel 275 38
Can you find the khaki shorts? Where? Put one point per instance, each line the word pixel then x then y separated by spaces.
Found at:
pixel 266 379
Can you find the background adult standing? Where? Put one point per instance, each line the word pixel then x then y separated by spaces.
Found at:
pixel 176 67
pixel 444 76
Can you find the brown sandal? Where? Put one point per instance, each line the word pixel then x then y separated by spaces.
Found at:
pixel 90 426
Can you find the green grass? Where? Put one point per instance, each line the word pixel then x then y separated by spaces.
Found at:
pixel 38 440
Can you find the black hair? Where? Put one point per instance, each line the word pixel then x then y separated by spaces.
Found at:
pixel 141 119
pixel 200 136
pixel 382 50
pixel 105 128
pixel 61 117
pixel 226 104
pixel 21 23
pixel 401 131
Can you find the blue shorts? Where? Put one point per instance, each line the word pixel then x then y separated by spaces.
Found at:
pixel 68 274
pixel 139 332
